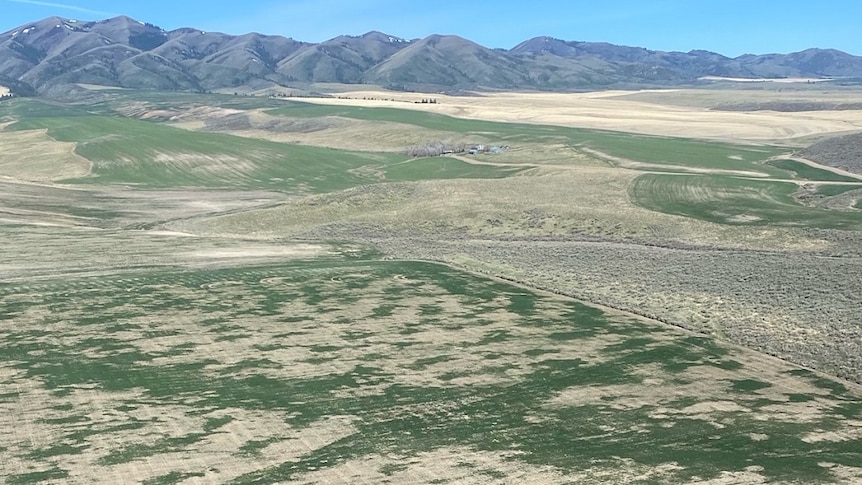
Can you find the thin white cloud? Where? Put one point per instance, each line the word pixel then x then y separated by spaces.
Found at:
pixel 63 6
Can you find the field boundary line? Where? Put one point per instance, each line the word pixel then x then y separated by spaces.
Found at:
pixel 820 166
pixel 854 387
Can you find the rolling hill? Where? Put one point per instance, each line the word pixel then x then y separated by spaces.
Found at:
pixel 44 55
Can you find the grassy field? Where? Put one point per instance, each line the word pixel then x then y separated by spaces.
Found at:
pixel 181 304
pixel 833 190
pixel 672 113
pixel 807 172
pixel 651 149
pixel 126 151
pixel 365 371
pixel 151 155
pixel 730 200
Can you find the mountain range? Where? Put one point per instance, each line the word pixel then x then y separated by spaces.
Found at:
pixel 42 56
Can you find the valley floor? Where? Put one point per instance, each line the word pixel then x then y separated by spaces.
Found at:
pixel 247 290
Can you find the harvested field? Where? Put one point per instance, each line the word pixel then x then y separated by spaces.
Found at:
pixel 721 97
pixel 33 156
pixel 614 110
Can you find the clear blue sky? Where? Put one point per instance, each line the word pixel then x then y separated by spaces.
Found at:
pixel 731 27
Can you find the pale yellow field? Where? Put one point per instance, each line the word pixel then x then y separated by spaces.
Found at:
pixel 3 90
pixel 612 110
pixel 718 97
pixel 97 87
pixel 784 80
pixel 34 156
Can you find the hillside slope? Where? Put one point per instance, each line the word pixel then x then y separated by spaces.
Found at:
pixel 844 152
pixel 121 51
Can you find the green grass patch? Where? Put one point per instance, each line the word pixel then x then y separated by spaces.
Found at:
pixel 807 172
pixel 737 201
pixel 146 154
pixel 152 155
pixel 53 474
pixel 20 108
pixel 136 451
pixel 254 447
pixel 172 478
pixel 749 385
pixel 835 190
pixel 57 450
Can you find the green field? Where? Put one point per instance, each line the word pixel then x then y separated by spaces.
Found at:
pixel 731 200
pixel 377 366
pixel 651 149
pixel 807 172
pixel 833 190
pixel 153 155
pixel 205 307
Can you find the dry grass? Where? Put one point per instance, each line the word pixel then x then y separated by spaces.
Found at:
pixel 334 132
pixel 548 155
pixel 98 87
pixel 34 156
pixel 717 97
pixel 373 136
pixel 780 80
pixel 613 110
pixel 84 231
pixel 448 465
pixel 582 202
pixel 802 309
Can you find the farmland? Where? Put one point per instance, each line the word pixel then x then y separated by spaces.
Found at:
pixel 231 289
pixel 340 370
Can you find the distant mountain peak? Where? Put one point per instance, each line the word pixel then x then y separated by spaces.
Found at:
pixel 123 51
pixel 382 37
pixel 545 44
pixel 121 19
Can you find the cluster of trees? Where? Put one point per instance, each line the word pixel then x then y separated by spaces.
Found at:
pixel 434 149
pixel 427 101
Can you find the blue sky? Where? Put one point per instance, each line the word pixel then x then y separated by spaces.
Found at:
pixel 731 27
